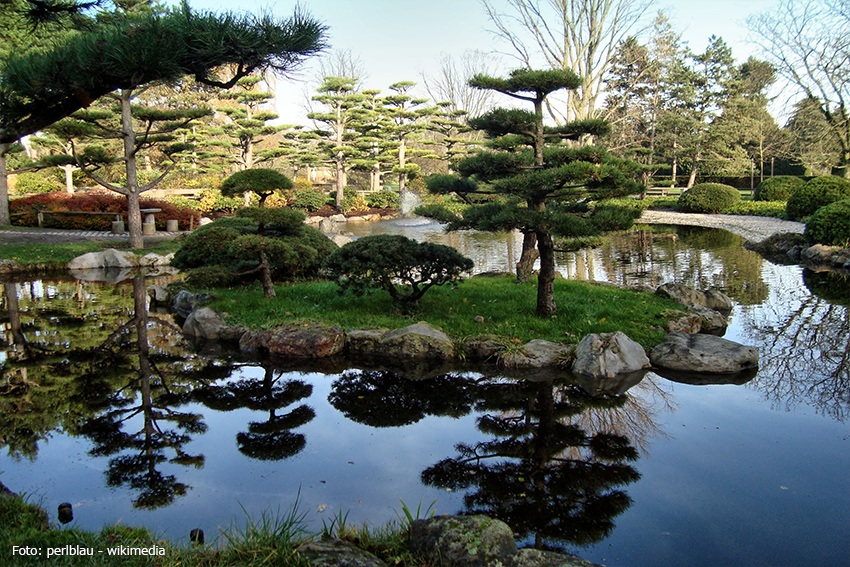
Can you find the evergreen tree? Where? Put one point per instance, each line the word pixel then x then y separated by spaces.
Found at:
pixel 544 185
pixel 340 98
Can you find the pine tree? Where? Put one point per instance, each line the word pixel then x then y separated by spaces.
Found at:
pixel 544 185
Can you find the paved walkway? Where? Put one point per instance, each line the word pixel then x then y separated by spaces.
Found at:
pixel 754 229
pixel 55 235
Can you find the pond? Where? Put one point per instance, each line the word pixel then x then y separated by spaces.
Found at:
pixel 102 404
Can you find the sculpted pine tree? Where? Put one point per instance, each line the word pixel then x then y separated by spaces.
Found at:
pixel 543 185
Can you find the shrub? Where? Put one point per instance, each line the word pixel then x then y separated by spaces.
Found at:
pixel 757 208
pixel 37 182
pixel 25 210
pixel 779 188
pixel 383 199
pixel 708 198
pixel 404 268
pixel 353 202
pixel 212 201
pixel 231 245
pixel 308 199
pixel 815 194
pixel 830 224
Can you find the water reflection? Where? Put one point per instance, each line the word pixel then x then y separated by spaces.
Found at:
pixel 540 471
pixel 386 399
pixel 272 439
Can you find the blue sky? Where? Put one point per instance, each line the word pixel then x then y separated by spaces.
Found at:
pixel 398 40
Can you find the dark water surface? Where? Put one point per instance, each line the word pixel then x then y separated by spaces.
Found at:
pixel 666 474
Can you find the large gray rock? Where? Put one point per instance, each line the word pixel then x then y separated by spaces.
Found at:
pixel 482 349
pixel 479 541
pixel 538 354
pixel 294 341
pixel 686 352
pixel 419 340
pixel 109 258
pixel 204 324
pixel 185 302
pixel 463 541
pixel 605 355
pixel 713 299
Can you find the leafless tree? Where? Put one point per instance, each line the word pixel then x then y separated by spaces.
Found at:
pixel 579 35
pixel 451 83
pixel 808 41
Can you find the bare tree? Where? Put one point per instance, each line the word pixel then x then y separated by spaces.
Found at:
pixel 576 35
pixel 808 41
pixel 451 83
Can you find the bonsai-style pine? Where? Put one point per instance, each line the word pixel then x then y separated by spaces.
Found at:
pixel 262 182
pixel 537 179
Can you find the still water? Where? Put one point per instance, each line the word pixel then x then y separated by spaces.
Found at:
pixel 664 474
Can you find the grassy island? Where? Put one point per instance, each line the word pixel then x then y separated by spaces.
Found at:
pixel 492 306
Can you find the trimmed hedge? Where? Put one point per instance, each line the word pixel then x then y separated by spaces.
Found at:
pixel 708 198
pixel 779 188
pixel 817 193
pixel 830 224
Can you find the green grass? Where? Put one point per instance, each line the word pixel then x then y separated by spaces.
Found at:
pixel 508 310
pixel 274 539
pixel 62 253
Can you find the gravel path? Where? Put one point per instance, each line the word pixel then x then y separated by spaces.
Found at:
pixel 754 229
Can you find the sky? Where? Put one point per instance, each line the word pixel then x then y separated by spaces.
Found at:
pixel 400 40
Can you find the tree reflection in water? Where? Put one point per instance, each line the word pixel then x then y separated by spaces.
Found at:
pixel 268 440
pixel 542 473
pixel 386 399
pixel 804 341
pixel 145 399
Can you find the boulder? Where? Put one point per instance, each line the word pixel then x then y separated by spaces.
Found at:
pixel 364 342
pixel 690 323
pixel 463 541
pixel 688 352
pixel 340 239
pixel 713 299
pixel 482 349
pixel 204 324
pixel 109 258
pixel 819 253
pixel 312 341
pixel 606 355
pixel 479 541
pixel 419 340
pixel 538 354
pixel 185 302
pixel 152 259
pixel 710 321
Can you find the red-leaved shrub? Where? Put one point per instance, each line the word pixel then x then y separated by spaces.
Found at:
pixel 24 211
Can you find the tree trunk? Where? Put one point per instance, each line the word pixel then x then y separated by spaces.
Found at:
pixel 268 284
pixel 525 266
pixel 69 178
pixel 134 214
pixel 5 219
pixel 339 179
pixel 546 277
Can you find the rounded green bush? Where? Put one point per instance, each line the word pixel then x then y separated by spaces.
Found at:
pixel 309 199
pixel 383 199
pixel 708 198
pixel 816 193
pixel 37 182
pixel 830 224
pixel 779 188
